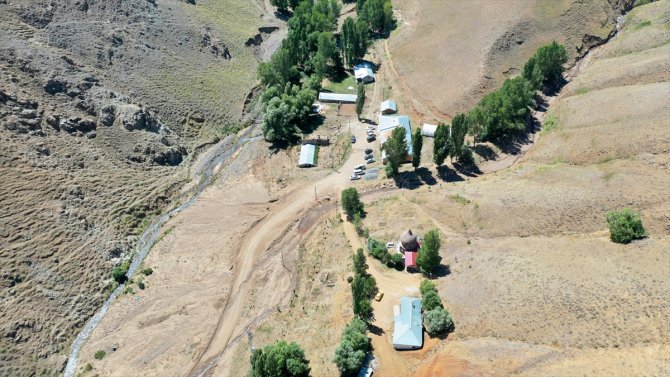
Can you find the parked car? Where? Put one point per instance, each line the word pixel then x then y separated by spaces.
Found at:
pixel 354 177
pixel 379 296
pixel 390 245
pixel 359 167
pixel 370 161
pixel 371 138
pixel 353 139
pixel 359 172
pixel 368 151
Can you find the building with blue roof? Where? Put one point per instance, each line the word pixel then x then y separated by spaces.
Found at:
pixel 408 325
pixel 307 156
pixel 386 125
pixel 388 107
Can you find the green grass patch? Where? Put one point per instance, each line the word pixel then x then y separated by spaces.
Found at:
pixel 642 25
pixel 100 354
pixel 459 199
pixel 609 175
pixel 581 91
pixel 642 2
pixel 550 123
pixel 342 86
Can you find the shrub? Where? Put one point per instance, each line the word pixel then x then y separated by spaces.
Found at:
pixel 398 261
pixel 625 226
pixel 119 273
pixel 147 271
pixel 431 301
pixel 140 284
pixel 350 279
pixel 100 354
pixel 279 359
pixel 355 344
pixel 438 321
pixel 426 286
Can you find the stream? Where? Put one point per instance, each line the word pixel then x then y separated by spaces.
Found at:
pixel 222 152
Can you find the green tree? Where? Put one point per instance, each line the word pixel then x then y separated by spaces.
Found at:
pixel 429 254
pixel 440 144
pixel 437 321
pixel 431 301
pixel 286 112
pixel 378 14
pixel 550 60
pixel 281 359
pixel 351 352
pixel 417 145
pixel 476 123
pixel 625 226
pixel 426 286
pixel 354 42
pixel 279 71
pixel 459 128
pixel 360 99
pixel 360 264
pixel 533 73
pixel 351 203
pixel 119 272
pixel 396 149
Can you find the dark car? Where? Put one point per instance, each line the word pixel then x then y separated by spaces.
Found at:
pixel 371 138
pixel 353 139
pixel 368 151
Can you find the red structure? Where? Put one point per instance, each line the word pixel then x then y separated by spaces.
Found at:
pixel 410 259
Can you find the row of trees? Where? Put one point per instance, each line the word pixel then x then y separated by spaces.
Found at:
pixel 396 150
pixel 351 352
pixel 379 251
pixel 437 319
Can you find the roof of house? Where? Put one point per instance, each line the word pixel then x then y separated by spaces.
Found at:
pixel 325 96
pixel 428 129
pixel 389 104
pixel 389 122
pixel 409 241
pixel 361 72
pixel 307 155
pixel 408 328
pixel 410 258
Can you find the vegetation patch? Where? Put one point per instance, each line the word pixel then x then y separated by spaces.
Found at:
pixel 459 199
pixel 625 226
pixel 642 24
pixel 438 321
pixel 279 359
pixel 100 354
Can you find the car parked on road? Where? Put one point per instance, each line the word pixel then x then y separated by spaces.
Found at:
pixel 359 172
pixel 371 138
pixel 368 151
pixel 359 167
pixel 354 177
pixel 370 161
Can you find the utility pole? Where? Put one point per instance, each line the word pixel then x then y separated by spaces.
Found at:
pixel 349 126
pixel 315 197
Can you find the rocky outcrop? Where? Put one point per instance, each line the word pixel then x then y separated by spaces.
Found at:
pixel 133 117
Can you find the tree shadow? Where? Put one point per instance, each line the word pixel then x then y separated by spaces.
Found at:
pixel 407 180
pixel 283 14
pixel 468 169
pixel 448 175
pixel 425 175
pixel 441 271
pixel 313 122
pixel 512 144
pixel 376 330
pixel 485 152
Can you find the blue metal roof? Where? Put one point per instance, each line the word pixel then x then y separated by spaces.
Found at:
pixel 389 104
pixel 337 97
pixel 408 327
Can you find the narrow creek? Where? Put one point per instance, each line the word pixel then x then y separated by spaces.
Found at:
pixel 224 150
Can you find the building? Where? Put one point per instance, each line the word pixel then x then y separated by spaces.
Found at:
pixel 307 156
pixel 409 241
pixel 428 130
pixel 388 107
pixel 364 73
pixel 408 325
pixel 410 260
pixel 337 97
pixel 386 125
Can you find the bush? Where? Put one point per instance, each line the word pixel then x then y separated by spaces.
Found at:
pixel 148 271
pixel 625 226
pixel 438 321
pixel 351 203
pixel 426 286
pixel 431 301
pixel 280 359
pixel 119 273
pixel 140 284
pixel 100 354
pixel 398 261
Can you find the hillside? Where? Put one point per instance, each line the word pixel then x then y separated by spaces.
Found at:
pixel 448 54
pixel 103 104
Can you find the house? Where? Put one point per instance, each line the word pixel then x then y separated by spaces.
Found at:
pixel 337 97
pixel 364 73
pixel 409 241
pixel 408 325
pixel 386 125
pixel 307 156
pixel 428 130
pixel 389 107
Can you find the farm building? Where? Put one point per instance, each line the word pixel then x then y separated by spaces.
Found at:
pixel 410 259
pixel 363 73
pixel 386 125
pixel 409 241
pixel 389 107
pixel 408 326
pixel 428 130
pixel 337 97
pixel 307 156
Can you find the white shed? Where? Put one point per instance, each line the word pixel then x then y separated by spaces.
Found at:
pixel 364 73
pixel 307 156
pixel 428 130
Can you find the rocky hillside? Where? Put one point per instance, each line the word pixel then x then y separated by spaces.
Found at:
pixel 102 104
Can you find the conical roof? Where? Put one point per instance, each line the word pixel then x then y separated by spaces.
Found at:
pixel 409 241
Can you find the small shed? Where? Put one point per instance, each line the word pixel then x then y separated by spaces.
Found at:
pixel 307 156
pixel 337 97
pixel 428 130
pixel 364 73
pixel 408 325
pixel 389 107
